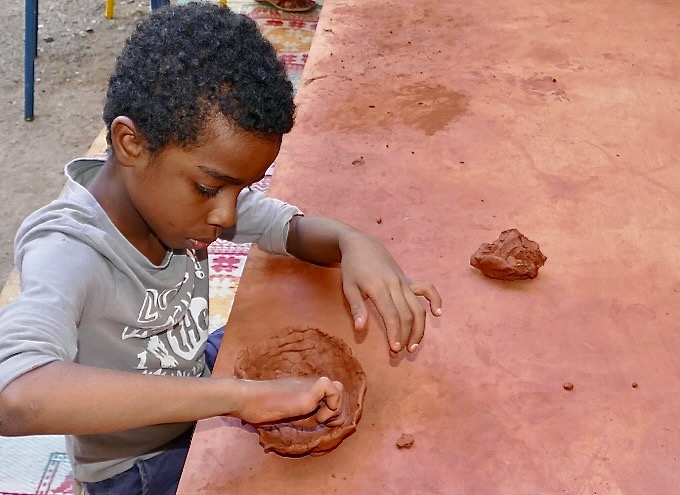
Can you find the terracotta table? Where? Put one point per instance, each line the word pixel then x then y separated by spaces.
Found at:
pixel 435 125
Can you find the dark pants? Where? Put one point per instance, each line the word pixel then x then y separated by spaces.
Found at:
pixel 160 474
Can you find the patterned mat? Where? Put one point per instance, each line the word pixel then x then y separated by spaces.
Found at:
pixel 38 465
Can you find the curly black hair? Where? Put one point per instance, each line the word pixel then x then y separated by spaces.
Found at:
pixel 186 63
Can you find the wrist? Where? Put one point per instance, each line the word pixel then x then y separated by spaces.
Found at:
pixel 233 396
pixel 350 240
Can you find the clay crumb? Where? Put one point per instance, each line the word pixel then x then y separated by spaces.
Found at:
pixel 635 385
pixel 405 441
pixel 379 220
pixel 568 386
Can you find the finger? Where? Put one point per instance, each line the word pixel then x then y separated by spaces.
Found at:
pixel 429 292
pixel 392 319
pixel 330 405
pixel 357 306
pixel 341 416
pixel 325 415
pixel 335 401
pixel 337 417
pixel 417 330
pixel 335 422
pixel 332 393
pixel 404 301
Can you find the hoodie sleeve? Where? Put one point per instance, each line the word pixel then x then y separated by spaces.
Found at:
pixel 261 220
pixel 41 325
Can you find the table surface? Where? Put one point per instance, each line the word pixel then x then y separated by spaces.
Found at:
pixel 436 125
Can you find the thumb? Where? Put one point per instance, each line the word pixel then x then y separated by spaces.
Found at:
pixel 356 305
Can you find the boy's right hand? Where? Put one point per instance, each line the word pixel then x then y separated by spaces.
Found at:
pixel 270 401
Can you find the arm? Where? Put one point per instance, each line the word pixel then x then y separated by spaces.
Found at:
pixel 43 392
pixel 368 271
pixel 68 398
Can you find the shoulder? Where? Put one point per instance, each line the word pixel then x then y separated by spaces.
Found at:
pixel 59 260
pixel 58 248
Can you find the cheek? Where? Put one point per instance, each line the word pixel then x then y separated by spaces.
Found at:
pixel 171 206
pixel 191 211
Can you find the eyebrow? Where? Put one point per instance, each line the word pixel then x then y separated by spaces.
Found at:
pixel 218 175
pixel 226 178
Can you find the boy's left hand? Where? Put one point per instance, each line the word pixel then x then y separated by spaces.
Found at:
pixel 370 272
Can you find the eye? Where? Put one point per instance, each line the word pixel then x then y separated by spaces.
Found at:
pixel 208 192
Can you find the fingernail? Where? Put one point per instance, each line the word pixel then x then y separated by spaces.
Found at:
pixel 413 347
pixel 438 311
pixel 397 346
pixel 357 322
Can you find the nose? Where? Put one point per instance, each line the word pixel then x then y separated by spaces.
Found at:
pixel 223 213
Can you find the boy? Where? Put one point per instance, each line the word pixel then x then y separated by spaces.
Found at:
pixel 106 341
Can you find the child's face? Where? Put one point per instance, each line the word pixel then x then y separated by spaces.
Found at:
pixel 186 197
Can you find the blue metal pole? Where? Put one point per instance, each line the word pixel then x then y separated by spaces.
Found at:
pixel 158 3
pixel 30 52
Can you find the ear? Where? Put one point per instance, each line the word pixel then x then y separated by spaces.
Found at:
pixel 129 146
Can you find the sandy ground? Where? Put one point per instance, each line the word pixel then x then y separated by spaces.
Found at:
pixel 77 49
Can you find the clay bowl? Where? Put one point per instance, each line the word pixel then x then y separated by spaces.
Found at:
pixel 305 352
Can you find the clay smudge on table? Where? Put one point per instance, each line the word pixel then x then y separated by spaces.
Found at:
pixel 305 352
pixel 510 257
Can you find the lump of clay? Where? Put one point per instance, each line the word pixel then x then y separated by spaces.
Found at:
pixel 510 257
pixel 305 352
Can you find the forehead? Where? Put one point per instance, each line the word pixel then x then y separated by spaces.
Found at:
pixel 227 150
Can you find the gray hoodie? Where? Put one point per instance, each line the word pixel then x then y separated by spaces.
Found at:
pixel 88 296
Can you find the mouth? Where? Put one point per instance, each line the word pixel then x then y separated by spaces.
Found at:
pixel 198 244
